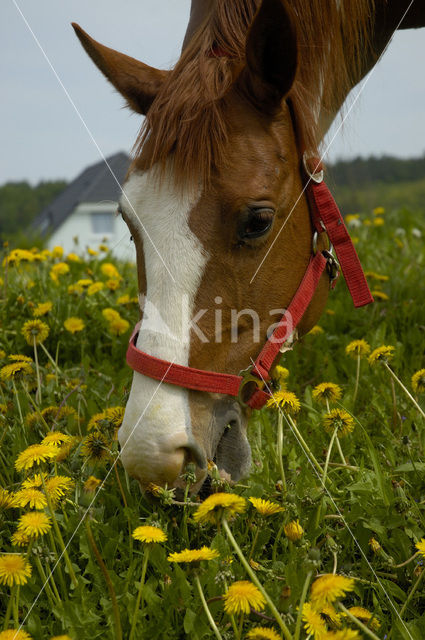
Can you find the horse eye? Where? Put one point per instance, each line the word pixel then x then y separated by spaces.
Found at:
pixel 255 223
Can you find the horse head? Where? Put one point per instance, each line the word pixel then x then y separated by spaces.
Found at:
pixel 214 201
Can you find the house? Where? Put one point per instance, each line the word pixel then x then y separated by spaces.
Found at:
pixel 84 214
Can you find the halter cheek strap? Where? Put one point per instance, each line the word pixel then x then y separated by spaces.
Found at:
pixel 247 385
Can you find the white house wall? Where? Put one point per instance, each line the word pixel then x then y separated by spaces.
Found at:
pixel 76 233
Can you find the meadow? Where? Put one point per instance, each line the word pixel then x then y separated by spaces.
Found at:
pixel 325 539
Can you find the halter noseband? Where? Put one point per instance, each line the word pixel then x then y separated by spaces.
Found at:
pixel 326 218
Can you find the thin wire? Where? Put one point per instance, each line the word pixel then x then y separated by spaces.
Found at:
pixel 331 142
pixel 90 134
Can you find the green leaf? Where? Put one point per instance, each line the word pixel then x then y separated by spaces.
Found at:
pixel 189 620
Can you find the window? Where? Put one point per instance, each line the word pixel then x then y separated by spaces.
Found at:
pixel 102 222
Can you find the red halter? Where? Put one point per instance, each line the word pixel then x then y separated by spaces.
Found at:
pixel 325 218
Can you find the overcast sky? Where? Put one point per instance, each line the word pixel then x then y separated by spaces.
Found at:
pixel 43 137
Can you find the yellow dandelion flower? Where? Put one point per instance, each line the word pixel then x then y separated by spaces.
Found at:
pixel 313 621
pixel 286 400
pixel 343 634
pixel 125 299
pixel 2 353
pixel 14 569
pixel 328 588
pixel 34 523
pixel 92 252
pixel 418 381
pixel 20 539
pixel 95 447
pixel 55 414
pixel 3 409
pixel 35 481
pixel 73 257
pixel 327 391
pixel 57 252
pixel 421 547
pixel 379 295
pixel 293 530
pixel 15 370
pixel 59 269
pixel 35 454
pixel 372 275
pixel 378 222
pixel 357 348
pixel 112 284
pixel 316 330
pixel 374 545
pixel 95 288
pixel 381 354
pixel 7 499
pixel 58 486
pixel 338 419
pixel 118 326
pixel 149 534
pixel 112 415
pixel 35 331
pixel 15 634
pixel 110 314
pixel 57 438
pixel 42 308
pixel 330 614
pixel 266 507
pixel 193 555
pixel 18 255
pixel 352 216
pixel 103 247
pixel 378 211
pixel 218 504
pixel 84 283
pixel 280 375
pixel 241 596
pixel 18 357
pixel 365 616
pixel 65 450
pixel 255 565
pixel 73 324
pixel 31 497
pixel 262 633
pixel 110 271
pixel 91 484
pixel 63 637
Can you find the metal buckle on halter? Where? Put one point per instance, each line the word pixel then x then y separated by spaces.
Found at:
pixel 332 265
pixel 247 378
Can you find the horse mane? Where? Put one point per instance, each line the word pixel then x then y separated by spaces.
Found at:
pixel 188 116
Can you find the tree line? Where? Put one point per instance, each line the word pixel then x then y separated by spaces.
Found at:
pixel 358 182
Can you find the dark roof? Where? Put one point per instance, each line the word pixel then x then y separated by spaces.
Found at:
pixel 94 184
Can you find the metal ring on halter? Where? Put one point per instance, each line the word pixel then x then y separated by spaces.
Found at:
pixel 247 379
pixel 316 177
pixel 315 238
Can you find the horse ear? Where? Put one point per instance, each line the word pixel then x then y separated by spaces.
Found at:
pixel 137 82
pixel 271 56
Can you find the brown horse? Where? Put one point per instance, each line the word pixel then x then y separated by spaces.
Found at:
pixel 215 192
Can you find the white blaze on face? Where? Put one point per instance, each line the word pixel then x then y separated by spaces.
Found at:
pixel 157 420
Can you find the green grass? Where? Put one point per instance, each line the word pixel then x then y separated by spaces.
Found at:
pixel 380 495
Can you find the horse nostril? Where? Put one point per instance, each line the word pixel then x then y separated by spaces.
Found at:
pixel 195 454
